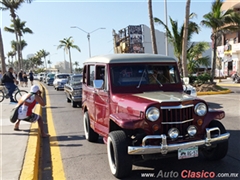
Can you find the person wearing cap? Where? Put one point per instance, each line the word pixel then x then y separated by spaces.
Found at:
pixel 8 79
pixel 25 110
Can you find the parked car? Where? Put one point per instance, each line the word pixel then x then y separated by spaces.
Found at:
pixel 73 90
pixel 137 104
pixel 41 76
pixel 50 78
pixel 35 77
pixel 60 80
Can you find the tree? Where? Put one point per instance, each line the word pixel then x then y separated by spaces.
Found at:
pixel 49 62
pixel 2 54
pixel 76 64
pixel 185 39
pixel 12 6
pixel 19 26
pixel 43 54
pixel 175 36
pixel 67 44
pixel 220 22
pixel 195 58
pixel 152 29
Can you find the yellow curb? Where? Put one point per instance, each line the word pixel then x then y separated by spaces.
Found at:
pixel 31 161
pixel 57 165
pixel 213 92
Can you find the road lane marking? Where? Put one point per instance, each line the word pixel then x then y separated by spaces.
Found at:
pixel 57 165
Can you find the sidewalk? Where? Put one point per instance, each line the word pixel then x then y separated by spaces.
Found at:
pixel 227 82
pixel 12 143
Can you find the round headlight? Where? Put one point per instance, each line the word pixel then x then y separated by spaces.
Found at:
pixel 192 130
pixel 173 133
pixel 200 109
pixel 152 113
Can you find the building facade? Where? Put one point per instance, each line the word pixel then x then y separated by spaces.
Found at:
pixel 137 39
pixel 228 50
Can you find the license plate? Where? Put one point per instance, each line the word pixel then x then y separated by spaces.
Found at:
pixel 188 153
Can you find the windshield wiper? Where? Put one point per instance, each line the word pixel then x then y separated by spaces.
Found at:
pixel 141 78
pixel 157 80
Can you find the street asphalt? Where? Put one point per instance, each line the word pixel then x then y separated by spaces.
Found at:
pixel 14 145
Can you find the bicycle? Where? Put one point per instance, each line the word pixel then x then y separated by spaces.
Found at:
pixel 17 94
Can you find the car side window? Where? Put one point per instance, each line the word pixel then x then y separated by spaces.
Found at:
pixel 101 74
pixel 91 74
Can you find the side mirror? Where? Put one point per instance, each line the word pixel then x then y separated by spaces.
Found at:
pixel 98 84
pixel 186 80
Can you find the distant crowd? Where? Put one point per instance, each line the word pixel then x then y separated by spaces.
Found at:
pixel 22 76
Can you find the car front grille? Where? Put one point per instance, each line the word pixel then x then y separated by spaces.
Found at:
pixel 179 118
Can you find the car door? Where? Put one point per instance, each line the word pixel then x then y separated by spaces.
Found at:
pixel 101 101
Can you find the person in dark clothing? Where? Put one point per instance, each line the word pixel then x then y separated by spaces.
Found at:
pixel 25 79
pixel 8 79
pixel 31 77
pixel 20 77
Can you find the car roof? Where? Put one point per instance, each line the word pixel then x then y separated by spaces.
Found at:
pixel 130 58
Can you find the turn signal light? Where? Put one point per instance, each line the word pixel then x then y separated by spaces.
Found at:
pixel 199 122
pixel 155 127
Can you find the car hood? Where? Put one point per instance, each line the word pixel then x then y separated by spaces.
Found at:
pixel 134 103
pixel 165 96
pixel 62 80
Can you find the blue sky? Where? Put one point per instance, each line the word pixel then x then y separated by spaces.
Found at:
pixel 51 21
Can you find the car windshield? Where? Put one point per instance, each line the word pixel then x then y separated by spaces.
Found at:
pixel 63 76
pixel 144 74
pixel 76 79
pixel 51 75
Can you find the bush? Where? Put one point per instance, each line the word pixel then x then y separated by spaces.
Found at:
pixel 192 79
pixel 203 78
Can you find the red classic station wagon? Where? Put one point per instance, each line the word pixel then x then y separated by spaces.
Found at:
pixel 137 104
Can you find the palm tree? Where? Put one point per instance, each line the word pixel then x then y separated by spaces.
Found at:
pixel 152 29
pixel 220 22
pixel 43 54
pixel 175 37
pixel 11 54
pixel 2 54
pixel 49 62
pixel 76 64
pixel 195 58
pixel 19 26
pixel 12 6
pixel 67 44
pixel 185 39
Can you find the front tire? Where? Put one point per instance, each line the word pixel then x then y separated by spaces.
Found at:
pixel 2 95
pixel 19 94
pixel 119 161
pixel 220 150
pixel 90 135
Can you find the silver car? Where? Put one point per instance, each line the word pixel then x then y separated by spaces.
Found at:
pixel 60 80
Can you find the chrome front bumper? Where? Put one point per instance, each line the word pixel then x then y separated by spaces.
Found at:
pixel 77 98
pixel 164 148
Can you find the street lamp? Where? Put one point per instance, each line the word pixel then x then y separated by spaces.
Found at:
pixel 88 36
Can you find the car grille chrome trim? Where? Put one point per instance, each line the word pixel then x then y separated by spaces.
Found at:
pixel 165 148
pixel 179 118
pixel 178 122
pixel 177 107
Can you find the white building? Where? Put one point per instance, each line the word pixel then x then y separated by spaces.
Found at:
pixel 62 67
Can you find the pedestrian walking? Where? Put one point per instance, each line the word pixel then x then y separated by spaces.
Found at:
pixel 20 77
pixel 9 82
pixel 25 110
pixel 25 79
pixel 31 77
